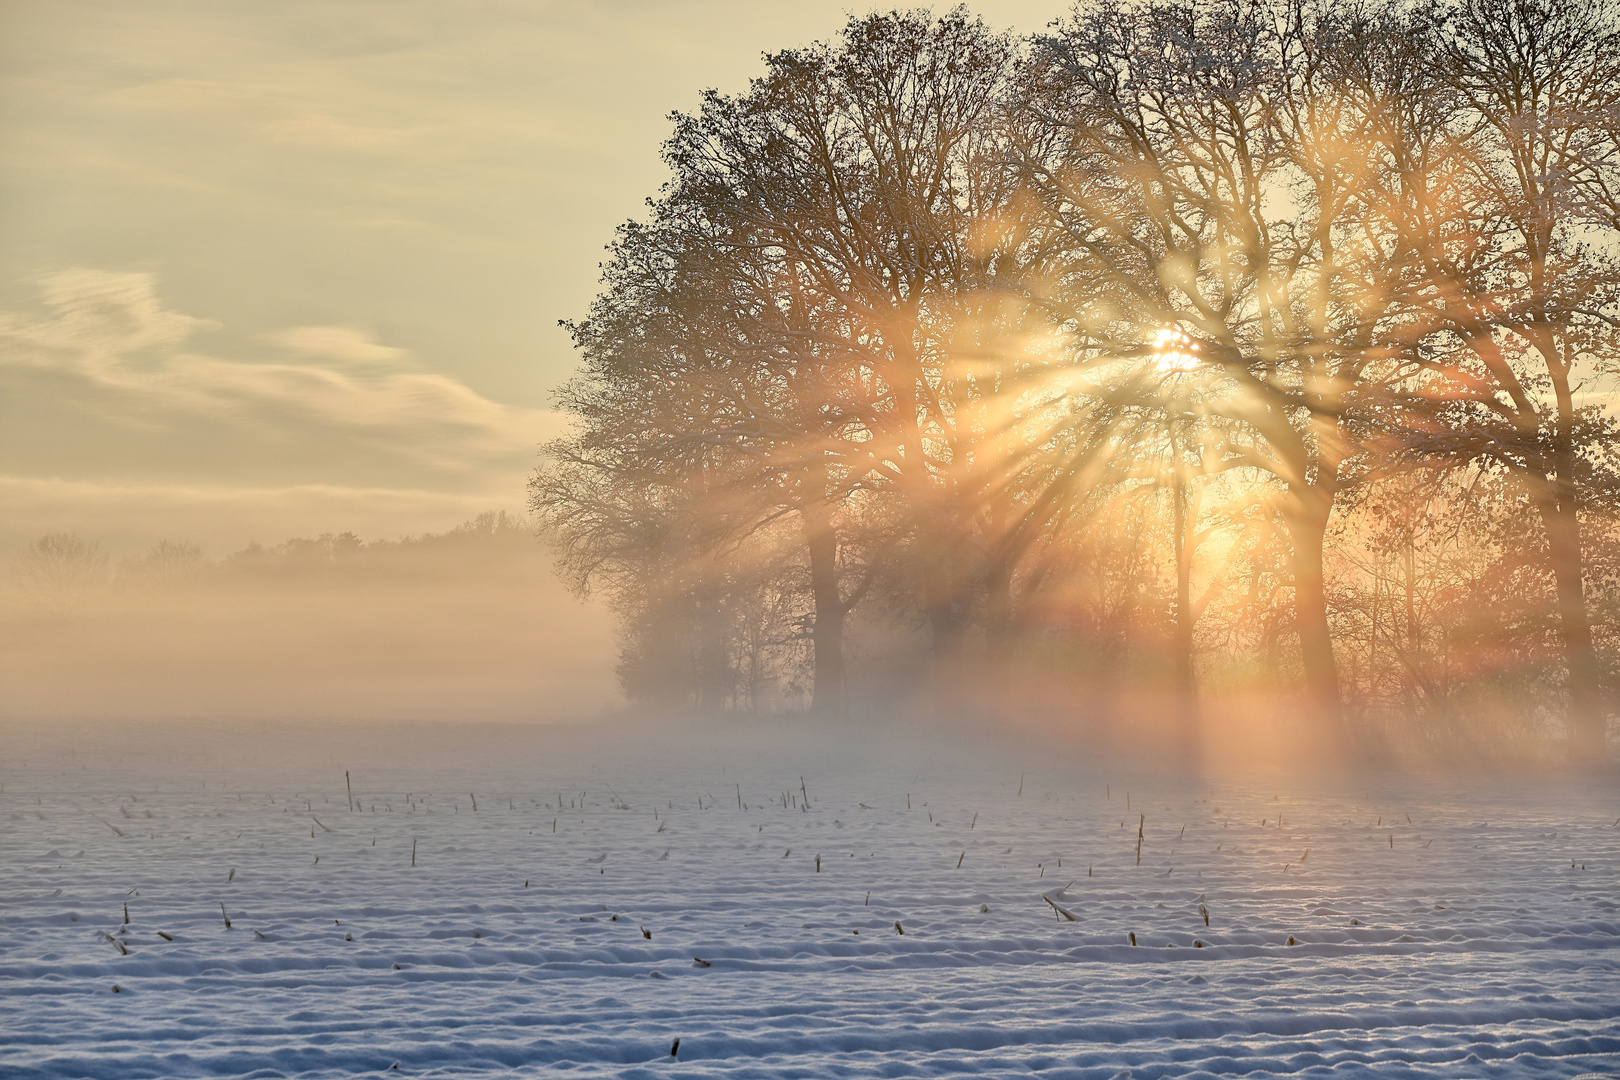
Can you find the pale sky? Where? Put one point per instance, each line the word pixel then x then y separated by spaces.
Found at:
pixel 276 269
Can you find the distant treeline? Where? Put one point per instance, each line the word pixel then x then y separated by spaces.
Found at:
pixel 1193 344
pixel 60 568
pixel 462 624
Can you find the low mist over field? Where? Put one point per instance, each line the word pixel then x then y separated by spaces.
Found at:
pixel 959 366
pixel 468 624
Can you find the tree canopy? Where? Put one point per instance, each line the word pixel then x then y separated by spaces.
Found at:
pixel 1192 343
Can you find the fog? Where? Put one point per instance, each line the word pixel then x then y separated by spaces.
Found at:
pixel 845 439
pixel 468 624
pixel 476 624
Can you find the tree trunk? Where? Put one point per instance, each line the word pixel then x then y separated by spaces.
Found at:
pixel 941 600
pixel 1587 743
pixel 714 683
pixel 1414 642
pixel 827 634
pixel 1307 527
pixel 998 605
pixel 1186 679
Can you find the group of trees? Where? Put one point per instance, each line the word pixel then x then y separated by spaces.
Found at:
pixel 1191 339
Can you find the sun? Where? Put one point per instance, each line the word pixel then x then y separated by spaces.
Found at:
pixel 1173 350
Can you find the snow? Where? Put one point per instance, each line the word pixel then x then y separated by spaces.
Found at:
pixel 1480 939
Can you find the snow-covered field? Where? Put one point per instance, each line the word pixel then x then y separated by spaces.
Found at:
pixel 614 891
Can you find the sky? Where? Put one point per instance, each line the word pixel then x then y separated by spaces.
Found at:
pixel 270 270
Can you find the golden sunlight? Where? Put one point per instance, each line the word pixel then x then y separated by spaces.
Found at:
pixel 1174 351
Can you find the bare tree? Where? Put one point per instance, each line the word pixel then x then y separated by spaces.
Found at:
pixel 867 166
pixel 62 567
pixel 1110 346
pixel 1532 302
pixel 1218 192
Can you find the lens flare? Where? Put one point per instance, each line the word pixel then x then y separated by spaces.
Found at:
pixel 1174 351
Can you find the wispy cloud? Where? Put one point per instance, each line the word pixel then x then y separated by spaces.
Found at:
pixel 100 385
pixel 336 343
pixel 95 318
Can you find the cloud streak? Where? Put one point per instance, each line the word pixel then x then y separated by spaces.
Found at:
pixel 336 343
pixel 101 387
